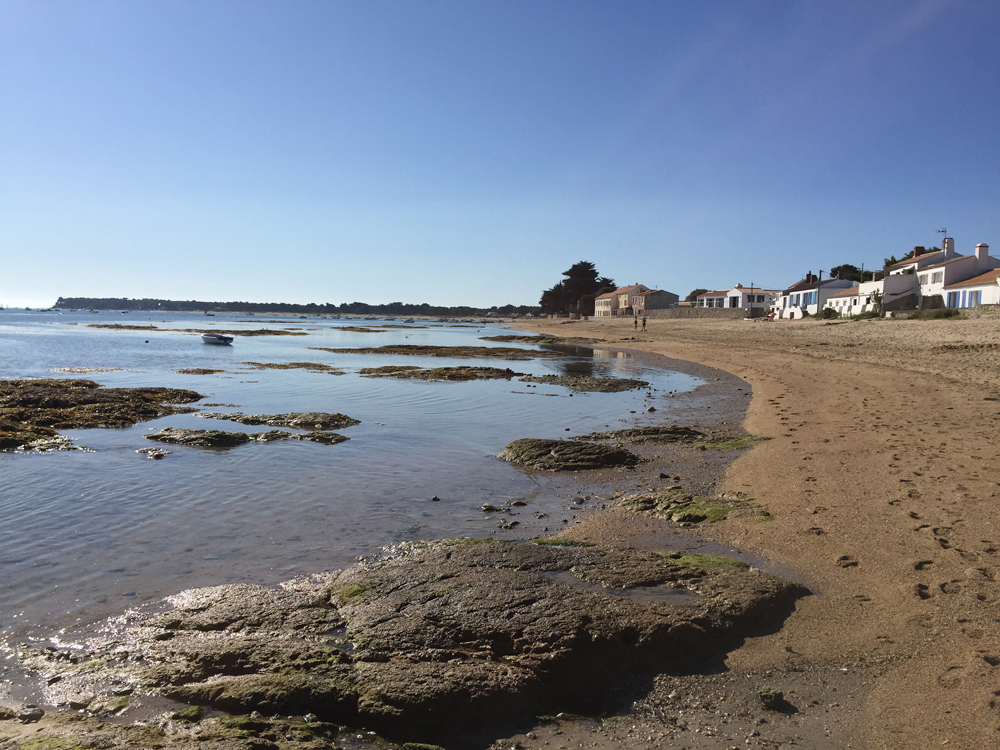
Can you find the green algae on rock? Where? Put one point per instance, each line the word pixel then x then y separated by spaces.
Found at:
pixel 311 420
pixel 566 455
pixel 654 434
pixel 432 639
pixel 457 352
pixel 33 410
pixel 440 373
pixel 359 329
pixel 586 383
pixel 310 366
pixel 686 509
pixel 197 371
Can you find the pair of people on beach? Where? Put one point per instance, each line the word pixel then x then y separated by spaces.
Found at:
pixel 637 323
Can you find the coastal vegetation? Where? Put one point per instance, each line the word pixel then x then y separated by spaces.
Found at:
pixel 576 292
pixel 344 308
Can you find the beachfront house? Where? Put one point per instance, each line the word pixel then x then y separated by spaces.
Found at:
pixel 807 296
pixel 633 300
pixel 654 299
pixel 926 281
pixel 979 290
pixel 752 297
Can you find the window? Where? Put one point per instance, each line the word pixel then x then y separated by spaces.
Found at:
pixel 975 298
pixel 952 299
pixel 938 277
pixel 922 279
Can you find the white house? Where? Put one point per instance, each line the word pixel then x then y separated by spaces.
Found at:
pixel 809 295
pixel 927 280
pixel 979 290
pixel 738 297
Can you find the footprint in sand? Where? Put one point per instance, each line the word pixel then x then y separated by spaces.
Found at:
pixel 846 561
pixel 923 564
pixel 922 590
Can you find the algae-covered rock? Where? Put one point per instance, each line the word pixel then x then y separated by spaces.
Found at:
pixel 652 434
pixel 432 638
pixel 222 439
pixel 312 420
pixel 462 352
pixel 687 509
pixel 587 383
pixel 566 455
pixel 459 374
pixel 34 410
pixel 309 366
pixel 199 438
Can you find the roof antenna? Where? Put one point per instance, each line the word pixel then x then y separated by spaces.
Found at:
pixel 945 233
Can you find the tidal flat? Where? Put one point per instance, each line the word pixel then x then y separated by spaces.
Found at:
pixel 281 513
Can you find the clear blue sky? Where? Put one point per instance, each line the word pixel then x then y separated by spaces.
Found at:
pixel 469 152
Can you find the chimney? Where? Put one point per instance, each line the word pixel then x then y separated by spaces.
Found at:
pixel 739 286
pixel 982 252
pixel 878 275
pixel 918 251
pixel 948 245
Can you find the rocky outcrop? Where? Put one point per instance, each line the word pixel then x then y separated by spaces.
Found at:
pixel 654 434
pixel 433 638
pixel 452 374
pixel 223 439
pixel 461 352
pixel 586 383
pixel 34 410
pixel 566 455
pixel 310 420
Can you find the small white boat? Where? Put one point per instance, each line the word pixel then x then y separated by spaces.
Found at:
pixel 216 338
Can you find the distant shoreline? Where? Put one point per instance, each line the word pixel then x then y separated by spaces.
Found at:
pixel 274 308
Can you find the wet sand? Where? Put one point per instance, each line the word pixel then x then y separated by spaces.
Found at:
pixel 882 477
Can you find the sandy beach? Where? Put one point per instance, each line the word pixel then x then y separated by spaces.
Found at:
pixel 881 477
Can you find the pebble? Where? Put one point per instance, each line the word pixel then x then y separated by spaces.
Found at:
pixel 30 714
pixel 651 408
pixel 490 508
pixel 435 499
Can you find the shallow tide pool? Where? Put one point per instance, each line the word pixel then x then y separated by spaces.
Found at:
pixel 88 534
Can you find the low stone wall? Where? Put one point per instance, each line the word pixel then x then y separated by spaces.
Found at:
pixel 727 313
pixel 990 312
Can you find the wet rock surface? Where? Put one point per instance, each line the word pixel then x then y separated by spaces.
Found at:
pixel 310 420
pixel 653 434
pixel 223 439
pixel 532 339
pixel 566 455
pixel 460 352
pixel 687 509
pixel 454 374
pixel 585 383
pixel 34 410
pixel 310 366
pixel 434 638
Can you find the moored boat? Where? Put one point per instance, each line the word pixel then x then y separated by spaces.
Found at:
pixel 216 338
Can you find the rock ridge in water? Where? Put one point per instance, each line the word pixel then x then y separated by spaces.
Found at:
pixel 461 352
pixel 303 420
pixel 566 455
pixel 434 638
pixel 450 374
pixel 586 383
pixel 224 439
pixel 34 410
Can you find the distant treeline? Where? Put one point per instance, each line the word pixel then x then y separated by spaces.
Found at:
pixel 345 308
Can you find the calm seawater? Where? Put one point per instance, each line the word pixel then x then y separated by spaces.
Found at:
pixel 85 535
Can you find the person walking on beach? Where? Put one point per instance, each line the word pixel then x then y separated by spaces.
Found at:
pixel 644 323
pixel 636 321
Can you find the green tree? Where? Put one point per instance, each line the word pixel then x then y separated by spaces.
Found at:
pixel 850 272
pixel 694 295
pixel 582 280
